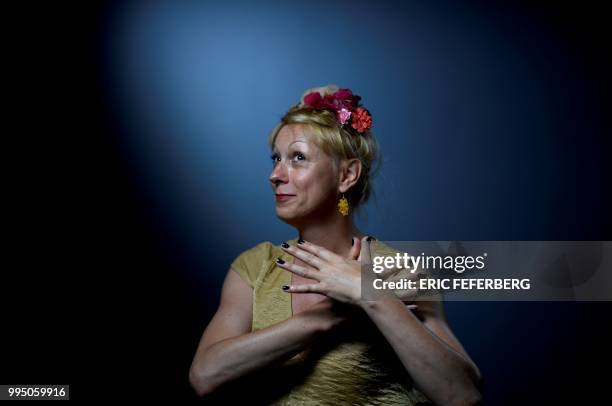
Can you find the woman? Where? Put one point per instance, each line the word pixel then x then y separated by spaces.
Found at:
pixel 292 326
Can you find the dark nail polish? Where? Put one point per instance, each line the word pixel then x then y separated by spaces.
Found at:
pixel 285 287
pixel 279 261
pixel 285 245
pixel 352 242
pixel 300 241
pixel 369 239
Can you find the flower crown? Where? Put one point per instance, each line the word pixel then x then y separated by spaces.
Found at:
pixel 343 102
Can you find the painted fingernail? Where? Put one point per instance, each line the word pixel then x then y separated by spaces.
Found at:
pixel 369 239
pixel 279 261
pixel 352 242
pixel 300 241
pixel 285 245
pixel 285 287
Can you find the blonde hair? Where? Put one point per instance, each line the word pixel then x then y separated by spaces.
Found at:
pixel 341 142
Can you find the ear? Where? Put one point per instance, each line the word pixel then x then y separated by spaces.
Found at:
pixel 348 174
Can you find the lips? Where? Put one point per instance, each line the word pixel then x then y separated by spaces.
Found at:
pixel 280 197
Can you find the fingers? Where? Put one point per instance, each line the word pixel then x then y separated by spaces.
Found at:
pixel 389 272
pixel 306 256
pixel 354 254
pixel 321 253
pixel 318 251
pixel 299 270
pixel 309 288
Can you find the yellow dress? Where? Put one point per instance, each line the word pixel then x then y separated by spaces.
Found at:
pixel 350 367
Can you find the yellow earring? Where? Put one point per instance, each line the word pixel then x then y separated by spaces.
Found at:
pixel 343 206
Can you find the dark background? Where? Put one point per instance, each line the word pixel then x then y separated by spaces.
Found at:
pixel 134 177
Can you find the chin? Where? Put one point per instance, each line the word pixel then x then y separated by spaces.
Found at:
pixel 284 214
pixel 288 216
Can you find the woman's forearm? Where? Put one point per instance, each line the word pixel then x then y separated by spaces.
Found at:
pixel 444 375
pixel 235 357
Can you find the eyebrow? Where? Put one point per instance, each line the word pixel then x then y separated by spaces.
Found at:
pixel 303 141
pixel 275 150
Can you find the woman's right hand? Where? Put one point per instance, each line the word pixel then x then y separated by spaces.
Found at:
pixel 327 314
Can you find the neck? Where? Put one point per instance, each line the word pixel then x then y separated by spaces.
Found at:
pixel 334 233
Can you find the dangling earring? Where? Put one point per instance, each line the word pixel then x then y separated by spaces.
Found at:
pixel 343 206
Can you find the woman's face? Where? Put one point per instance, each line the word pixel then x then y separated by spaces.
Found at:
pixel 304 177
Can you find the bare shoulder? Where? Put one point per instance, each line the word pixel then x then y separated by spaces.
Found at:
pixel 232 319
pixel 234 314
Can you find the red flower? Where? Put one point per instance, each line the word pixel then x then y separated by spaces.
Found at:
pixel 314 100
pixel 361 119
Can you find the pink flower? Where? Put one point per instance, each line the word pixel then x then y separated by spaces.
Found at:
pixel 362 120
pixel 343 116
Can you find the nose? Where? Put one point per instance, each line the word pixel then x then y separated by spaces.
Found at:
pixel 279 174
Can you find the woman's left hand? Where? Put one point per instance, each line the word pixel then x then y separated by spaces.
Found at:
pixel 338 277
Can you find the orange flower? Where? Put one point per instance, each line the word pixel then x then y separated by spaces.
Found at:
pixel 361 119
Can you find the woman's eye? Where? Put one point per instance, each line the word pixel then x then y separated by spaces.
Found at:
pixel 298 156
